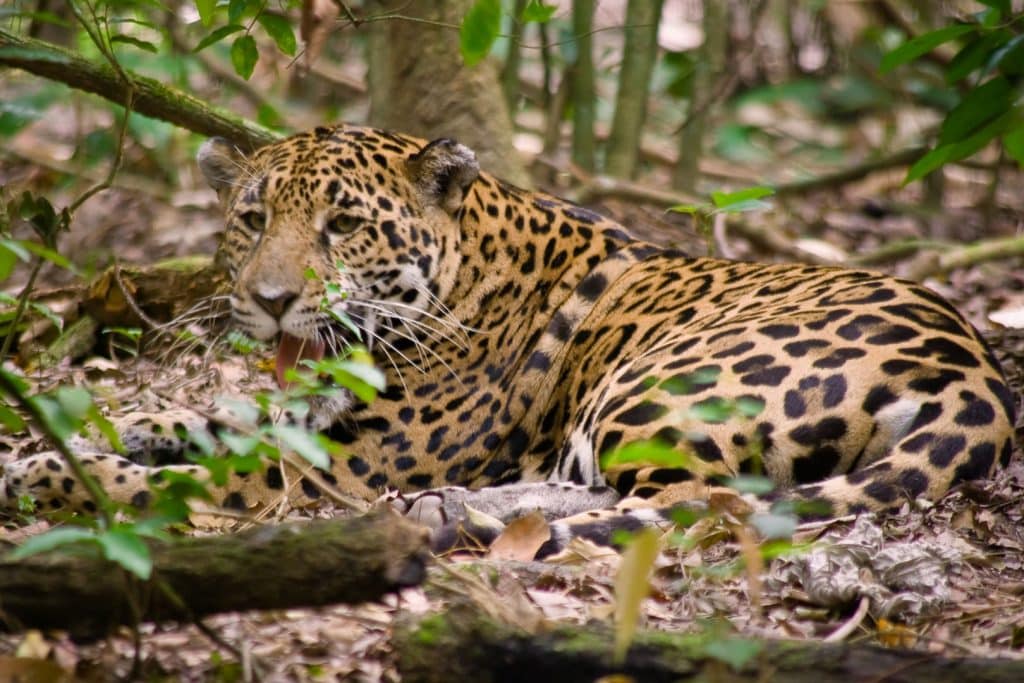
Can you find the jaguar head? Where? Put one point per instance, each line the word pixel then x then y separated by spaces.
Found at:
pixel 334 234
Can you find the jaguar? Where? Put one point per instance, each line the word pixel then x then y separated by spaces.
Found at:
pixel 526 341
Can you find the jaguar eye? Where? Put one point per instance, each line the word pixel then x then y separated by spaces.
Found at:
pixel 254 220
pixel 343 223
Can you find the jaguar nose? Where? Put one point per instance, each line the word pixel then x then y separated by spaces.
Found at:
pixel 277 304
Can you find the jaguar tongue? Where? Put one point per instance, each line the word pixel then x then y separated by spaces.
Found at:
pixel 291 351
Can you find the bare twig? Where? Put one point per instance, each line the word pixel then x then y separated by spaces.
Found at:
pixel 851 624
pixel 129 298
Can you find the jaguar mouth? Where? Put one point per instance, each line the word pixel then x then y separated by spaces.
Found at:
pixel 293 350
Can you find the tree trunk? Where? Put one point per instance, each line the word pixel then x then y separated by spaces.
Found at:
pixel 708 70
pixel 640 49
pixel 419 85
pixel 271 567
pixel 583 85
pixel 463 646
pixel 510 71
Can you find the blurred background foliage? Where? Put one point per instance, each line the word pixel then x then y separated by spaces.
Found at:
pixel 875 121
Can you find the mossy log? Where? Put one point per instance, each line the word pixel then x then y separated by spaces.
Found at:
pixel 126 296
pixel 148 96
pixel 272 567
pixel 464 646
pixel 161 291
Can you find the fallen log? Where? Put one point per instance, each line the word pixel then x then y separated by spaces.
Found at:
pixel 318 563
pixel 462 645
pixel 146 297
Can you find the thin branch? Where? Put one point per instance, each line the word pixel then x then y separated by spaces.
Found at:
pixel 847 175
pixel 456 27
pixel 96 493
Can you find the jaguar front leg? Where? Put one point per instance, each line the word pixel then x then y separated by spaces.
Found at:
pixel 453 513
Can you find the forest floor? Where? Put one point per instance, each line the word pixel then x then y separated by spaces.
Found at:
pixel 962 558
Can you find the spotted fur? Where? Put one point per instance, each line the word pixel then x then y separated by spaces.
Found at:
pixel 524 336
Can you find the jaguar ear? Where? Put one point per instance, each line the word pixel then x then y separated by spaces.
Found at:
pixel 444 170
pixel 221 163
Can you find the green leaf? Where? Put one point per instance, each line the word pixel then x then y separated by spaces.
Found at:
pixel 105 427
pixel 75 401
pixel 15 380
pixel 631 587
pixel 690 208
pixel 8 257
pixel 244 55
pixel 748 199
pixel 17 248
pixel 51 540
pixel 1013 142
pixel 206 9
pixel 362 378
pixel 735 652
pixel 725 200
pixel 124 547
pixel 131 40
pixel 979 106
pixel 479 30
pixel 218 35
pixel 153 527
pixel 11 420
pixel 749 483
pixel 749 406
pixel 305 444
pixel 280 30
pixel 236 8
pixel 243 411
pixel 772 526
pixel 650 452
pixel 174 488
pixel 714 410
pixel 959 150
pixel 238 444
pixel 50 255
pixel 1009 56
pixel 58 419
pixel 923 44
pixel 975 54
pixel 688 383
pixel 537 12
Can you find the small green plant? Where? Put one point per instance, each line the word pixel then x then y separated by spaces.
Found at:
pixel 739 201
pixel 124 339
pixel 243 344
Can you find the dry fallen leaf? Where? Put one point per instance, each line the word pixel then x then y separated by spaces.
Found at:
pixel 521 539
pixel 33 646
pixel 36 670
pixel 632 586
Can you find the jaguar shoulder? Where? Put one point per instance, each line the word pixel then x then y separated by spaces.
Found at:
pixel 523 337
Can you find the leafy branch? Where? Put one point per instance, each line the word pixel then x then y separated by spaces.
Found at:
pixel 151 98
